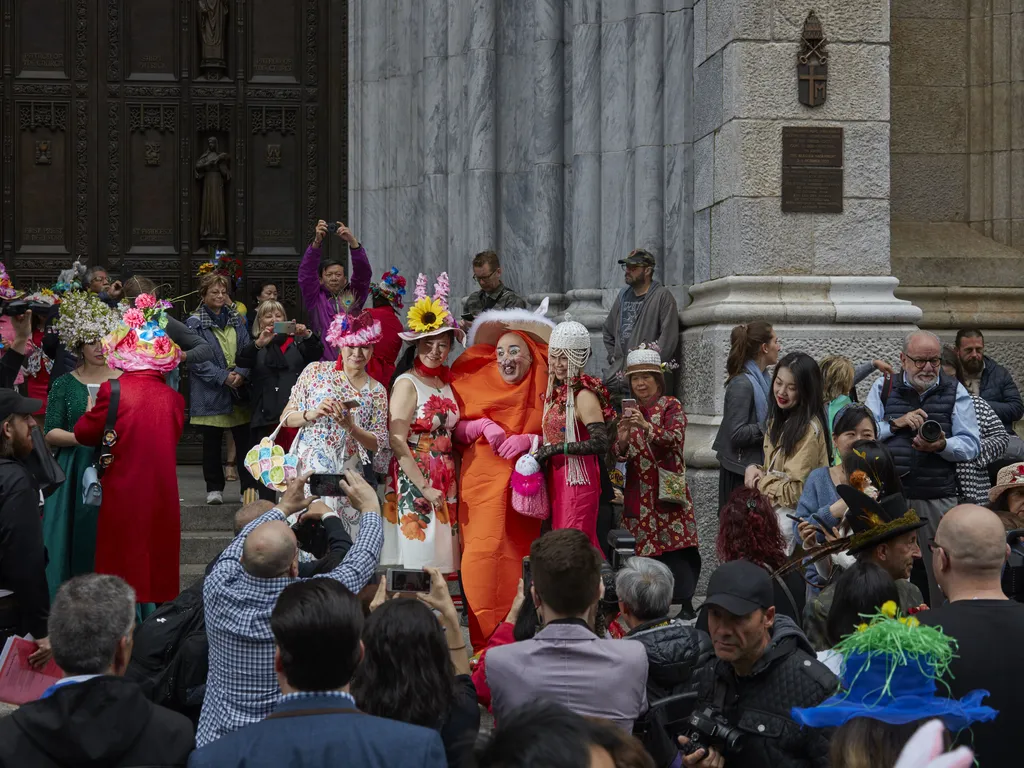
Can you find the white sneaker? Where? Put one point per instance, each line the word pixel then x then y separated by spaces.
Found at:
pixel 214 497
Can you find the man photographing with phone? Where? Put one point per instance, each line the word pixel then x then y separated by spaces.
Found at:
pixel 240 592
pixel 323 280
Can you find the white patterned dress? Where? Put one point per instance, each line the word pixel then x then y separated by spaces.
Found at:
pixel 415 534
pixel 325 447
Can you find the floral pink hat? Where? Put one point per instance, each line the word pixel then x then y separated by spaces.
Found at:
pixel 140 343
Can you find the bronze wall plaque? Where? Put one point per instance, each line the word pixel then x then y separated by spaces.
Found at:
pixel 812 169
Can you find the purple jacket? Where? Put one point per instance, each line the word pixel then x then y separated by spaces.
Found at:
pixel 322 307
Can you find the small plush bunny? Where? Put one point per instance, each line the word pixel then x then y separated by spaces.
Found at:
pixel 529 492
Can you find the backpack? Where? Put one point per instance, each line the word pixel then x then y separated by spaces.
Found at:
pixel 170 655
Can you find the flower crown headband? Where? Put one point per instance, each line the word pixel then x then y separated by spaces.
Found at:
pixel 429 313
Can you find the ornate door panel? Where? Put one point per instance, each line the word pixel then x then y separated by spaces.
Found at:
pixel 146 134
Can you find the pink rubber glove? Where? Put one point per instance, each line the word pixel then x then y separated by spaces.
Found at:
pixel 467 432
pixel 493 434
pixel 515 446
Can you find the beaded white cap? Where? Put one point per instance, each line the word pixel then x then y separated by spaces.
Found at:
pixel 570 335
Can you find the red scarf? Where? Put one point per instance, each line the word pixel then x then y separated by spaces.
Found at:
pixel 444 373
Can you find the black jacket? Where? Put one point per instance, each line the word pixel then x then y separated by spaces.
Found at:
pixel 674 650
pixel 22 554
pixel 271 387
pixel 104 722
pixel 787 675
pixel 998 390
pixel 10 367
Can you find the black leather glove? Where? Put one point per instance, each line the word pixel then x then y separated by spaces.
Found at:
pixel 597 444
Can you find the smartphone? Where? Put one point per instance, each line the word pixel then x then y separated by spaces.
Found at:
pixel 628 404
pixel 796 519
pixel 326 485
pixel 468 317
pixel 287 327
pixel 407 581
pixel 94 390
pixel 527 578
pixel 353 403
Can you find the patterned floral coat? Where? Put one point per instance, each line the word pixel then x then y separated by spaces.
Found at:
pixel 658 527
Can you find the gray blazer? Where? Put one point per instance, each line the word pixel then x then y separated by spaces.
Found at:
pixel 570 665
pixel 740 440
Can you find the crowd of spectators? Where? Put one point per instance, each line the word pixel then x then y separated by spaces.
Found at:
pixel 833 515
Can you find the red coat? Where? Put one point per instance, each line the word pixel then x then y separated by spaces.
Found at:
pixel 139 533
pixel 385 352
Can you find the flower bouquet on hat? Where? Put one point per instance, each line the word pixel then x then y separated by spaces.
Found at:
pixel 430 315
pixel 391 287
pixel 139 342
pixel 892 667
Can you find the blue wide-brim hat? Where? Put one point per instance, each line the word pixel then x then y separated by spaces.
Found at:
pixel 900 694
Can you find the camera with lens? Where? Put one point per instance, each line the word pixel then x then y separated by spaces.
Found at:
pixel 708 728
pixel 623 546
pixel 930 431
pixel 16 307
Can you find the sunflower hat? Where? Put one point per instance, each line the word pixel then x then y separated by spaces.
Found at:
pixel 430 315
pixel 892 669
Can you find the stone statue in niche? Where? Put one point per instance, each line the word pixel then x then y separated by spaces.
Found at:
pixel 212 169
pixel 44 155
pixel 812 64
pixel 273 156
pixel 213 21
pixel 152 153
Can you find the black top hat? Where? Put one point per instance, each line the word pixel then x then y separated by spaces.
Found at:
pixel 874 522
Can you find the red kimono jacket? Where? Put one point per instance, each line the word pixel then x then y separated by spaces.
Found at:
pixel 659 527
pixel 139 532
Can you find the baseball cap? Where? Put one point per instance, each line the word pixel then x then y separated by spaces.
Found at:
pixel 740 587
pixel 11 402
pixel 638 258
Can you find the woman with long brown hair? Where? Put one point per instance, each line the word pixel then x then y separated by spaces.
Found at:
pixel 754 347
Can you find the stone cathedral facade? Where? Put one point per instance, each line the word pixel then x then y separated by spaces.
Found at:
pixel 564 133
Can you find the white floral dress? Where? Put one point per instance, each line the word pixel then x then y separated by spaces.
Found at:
pixel 415 534
pixel 325 446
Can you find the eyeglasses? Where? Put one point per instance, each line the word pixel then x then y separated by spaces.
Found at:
pixel 629 267
pixel 921 362
pixel 483 278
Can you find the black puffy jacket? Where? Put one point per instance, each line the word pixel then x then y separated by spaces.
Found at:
pixel 787 675
pixel 674 650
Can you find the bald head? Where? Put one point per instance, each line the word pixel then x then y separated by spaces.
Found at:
pixel 269 550
pixel 974 538
pixel 250 512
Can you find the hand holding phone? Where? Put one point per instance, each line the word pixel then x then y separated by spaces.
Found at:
pixel 326 485
pixel 401 580
pixel 287 327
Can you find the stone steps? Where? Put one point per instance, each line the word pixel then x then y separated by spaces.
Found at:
pixel 208 517
pixel 190 573
pixel 200 547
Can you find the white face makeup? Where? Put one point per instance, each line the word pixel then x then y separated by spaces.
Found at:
pixel 514 359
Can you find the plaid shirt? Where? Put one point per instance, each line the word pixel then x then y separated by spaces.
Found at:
pixel 241 686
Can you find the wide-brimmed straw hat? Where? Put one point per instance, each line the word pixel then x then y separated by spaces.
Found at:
pixel 1009 477
pixel 491 325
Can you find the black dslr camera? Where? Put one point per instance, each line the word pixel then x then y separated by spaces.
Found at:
pixel 1013 573
pixel 16 307
pixel 623 546
pixel 708 728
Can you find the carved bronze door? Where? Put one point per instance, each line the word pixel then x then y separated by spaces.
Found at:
pixel 145 134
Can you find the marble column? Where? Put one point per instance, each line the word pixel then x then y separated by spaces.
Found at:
pixel 547 147
pixel 585 272
pixel 548 130
pixel 434 185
